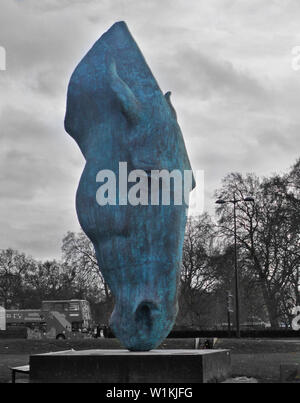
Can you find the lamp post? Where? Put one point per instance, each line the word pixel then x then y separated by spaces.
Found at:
pixel 235 201
pixel 229 311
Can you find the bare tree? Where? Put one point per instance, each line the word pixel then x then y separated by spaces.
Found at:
pixel 13 267
pixel 267 234
pixel 79 261
pixel 197 276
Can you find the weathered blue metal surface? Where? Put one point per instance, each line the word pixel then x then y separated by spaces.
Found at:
pixel 116 112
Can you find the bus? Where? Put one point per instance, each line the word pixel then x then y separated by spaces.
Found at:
pixel 58 319
pixel 23 317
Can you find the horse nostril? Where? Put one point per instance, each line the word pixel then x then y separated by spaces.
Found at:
pixel 143 314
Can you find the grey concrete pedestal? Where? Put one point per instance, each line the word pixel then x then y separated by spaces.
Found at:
pixel 122 366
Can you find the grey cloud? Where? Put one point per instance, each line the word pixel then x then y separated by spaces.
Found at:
pixel 21 127
pixel 226 62
pixel 23 175
pixel 38 183
pixel 49 82
pixel 202 76
pixel 52 5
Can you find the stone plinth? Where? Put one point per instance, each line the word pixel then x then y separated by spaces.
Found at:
pixel 122 366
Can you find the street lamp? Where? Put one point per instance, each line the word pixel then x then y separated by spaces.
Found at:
pixel 237 283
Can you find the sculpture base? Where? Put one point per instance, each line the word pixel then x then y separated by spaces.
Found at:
pixel 122 366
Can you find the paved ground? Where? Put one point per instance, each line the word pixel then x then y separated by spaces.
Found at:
pixel 261 358
pixel 265 367
pixel 258 359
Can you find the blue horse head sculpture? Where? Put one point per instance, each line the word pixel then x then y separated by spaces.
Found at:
pixel 117 113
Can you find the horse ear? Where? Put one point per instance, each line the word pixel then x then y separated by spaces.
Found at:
pixel 131 107
pixel 168 99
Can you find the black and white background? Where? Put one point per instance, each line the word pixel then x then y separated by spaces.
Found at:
pixel 234 71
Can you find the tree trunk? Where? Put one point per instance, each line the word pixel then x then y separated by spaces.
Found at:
pixel 271 305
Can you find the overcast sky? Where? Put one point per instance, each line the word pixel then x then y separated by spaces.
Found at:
pixel 228 64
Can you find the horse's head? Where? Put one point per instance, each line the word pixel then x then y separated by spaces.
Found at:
pixel 117 114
